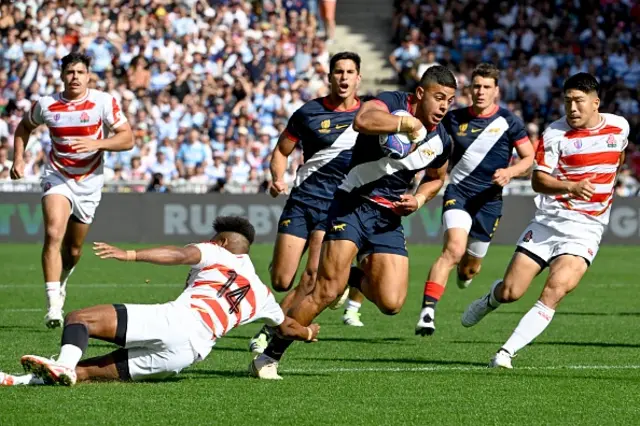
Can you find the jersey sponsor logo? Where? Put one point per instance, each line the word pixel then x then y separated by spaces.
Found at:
pixel 427 151
pixel 494 130
pixel 528 236
pixel 341 126
pixel 476 130
pixel 339 227
pixel 325 126
pixel 462 129
pixel 450 203
pixel 285 222
pixel 611 142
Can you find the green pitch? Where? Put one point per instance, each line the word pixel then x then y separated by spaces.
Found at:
pixel 585 369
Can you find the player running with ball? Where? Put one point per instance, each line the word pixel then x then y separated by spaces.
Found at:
pixel 365 217
pixel 575 170
pixel 83 123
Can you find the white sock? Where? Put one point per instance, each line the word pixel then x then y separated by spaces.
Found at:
pixel 53 294
pixel 353 306
pixel 69 355
pixel 64 277
pixel 530 326
pixel 27 379
pixel 493 302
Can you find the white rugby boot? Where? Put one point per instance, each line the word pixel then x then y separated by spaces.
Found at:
pixel 264 367
pixel 49 370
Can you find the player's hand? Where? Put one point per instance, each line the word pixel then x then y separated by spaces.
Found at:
pixel 105 251
pixel 315 329
pixel 417 130
pixel 407 205
pixel 81 145
pixel 17 170
pixel 277 187
pixel 582 189
pixel 502 177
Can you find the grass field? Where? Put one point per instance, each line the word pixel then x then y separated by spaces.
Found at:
pixel 585 369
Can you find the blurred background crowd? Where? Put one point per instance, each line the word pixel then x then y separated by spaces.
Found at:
pixel 208 85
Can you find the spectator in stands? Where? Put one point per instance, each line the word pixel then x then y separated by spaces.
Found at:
pixel 157 184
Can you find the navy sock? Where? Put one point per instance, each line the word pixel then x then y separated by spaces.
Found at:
pixel 76 335
pixel 277 347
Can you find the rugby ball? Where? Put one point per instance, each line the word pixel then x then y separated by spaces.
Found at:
pixel 396 145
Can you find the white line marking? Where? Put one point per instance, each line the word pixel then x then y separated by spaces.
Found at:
pixel 445 369
pixel 176 285
pixel 23 310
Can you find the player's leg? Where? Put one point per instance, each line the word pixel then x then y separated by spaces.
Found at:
pixel 457 224
pixel 333 274
pixel 56 209
pixel 104 322
pixel 565 272
pixel 74 238
pixel 351 314
pixel 386 280
pixel 485 224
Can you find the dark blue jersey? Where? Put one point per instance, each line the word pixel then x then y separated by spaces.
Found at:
pixel 482 145
pixel 327 137
pixel 382 179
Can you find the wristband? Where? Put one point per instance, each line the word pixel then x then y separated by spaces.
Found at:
pixel 310 335
pixel 421 199
pixel 131 256
pixel 399 124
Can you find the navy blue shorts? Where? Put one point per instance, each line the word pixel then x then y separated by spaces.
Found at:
pixel 373 228
pixel 485 211
pixel 301 219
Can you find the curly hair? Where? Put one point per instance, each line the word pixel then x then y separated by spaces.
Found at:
pixel 235 224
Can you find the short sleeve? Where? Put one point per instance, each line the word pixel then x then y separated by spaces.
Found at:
pixel 112 114
pixel 547 153
pixel 517 132
pixel 35 114
pixel 209 255
pixel 294 126
pixel 392 101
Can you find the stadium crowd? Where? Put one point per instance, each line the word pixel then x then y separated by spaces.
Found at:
pixel 538 44
pixel 209 85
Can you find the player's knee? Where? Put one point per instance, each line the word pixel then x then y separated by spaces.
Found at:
pixel 453 253
pixel 54 234
pixel 391 305
pixel 508 292
pixel 75 317
pixel 552 294
pixel 281 282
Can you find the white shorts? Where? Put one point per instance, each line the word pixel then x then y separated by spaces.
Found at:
pixel 547 243
pixel 457 218
pixel 159 340
pixel 84 196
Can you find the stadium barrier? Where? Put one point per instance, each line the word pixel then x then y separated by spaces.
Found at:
pixel 181 218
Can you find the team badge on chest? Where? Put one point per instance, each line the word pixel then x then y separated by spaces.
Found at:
pixel 611 142
pixel 84 117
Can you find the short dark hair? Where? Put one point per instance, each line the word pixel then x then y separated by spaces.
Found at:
pixel 236 224
pixel 438 74
pixel 76 58
pixel 583 82
pixel 486 70
pixel 352 56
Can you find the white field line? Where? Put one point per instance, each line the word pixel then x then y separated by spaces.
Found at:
pixel 451 369
pixel 176 285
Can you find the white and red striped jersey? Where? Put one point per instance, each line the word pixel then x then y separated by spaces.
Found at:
pixel 575 154
pixel 93 116
pixel 226 292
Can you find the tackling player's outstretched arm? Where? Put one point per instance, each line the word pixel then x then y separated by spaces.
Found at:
pixel 167 255
pixel 375 119
pixel 292 329
pixel 21 139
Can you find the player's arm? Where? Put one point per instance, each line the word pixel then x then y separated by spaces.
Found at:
pixel 167 255
pixel 429 187
pixel 544 183
pixel 21 139
pixel 526 154
pixel 122 140
pixel 278 166
pixel 374 118
pixel 293 330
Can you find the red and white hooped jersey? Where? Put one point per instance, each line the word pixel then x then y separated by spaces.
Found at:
pixel 92 116
pixel 575 154
pixel 225 291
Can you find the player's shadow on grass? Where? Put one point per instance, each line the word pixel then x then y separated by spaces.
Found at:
pixel 419 361
pixel 374 340
pixel 238 374
pixel 563 343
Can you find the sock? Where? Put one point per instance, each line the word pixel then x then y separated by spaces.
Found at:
pixel 64 277
pixel 277 347
pixel 267 331
pixel 493 301
pixel 353 306
pixel 53 294
pixel 75 339
pixel 27 379
pixel 530 326
pixel 355 277
pixel 432 293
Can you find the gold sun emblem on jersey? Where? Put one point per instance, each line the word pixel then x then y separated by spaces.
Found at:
pixel 325 126
pixel 462 129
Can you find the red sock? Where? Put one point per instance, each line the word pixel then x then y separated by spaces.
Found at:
pixel 432 293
